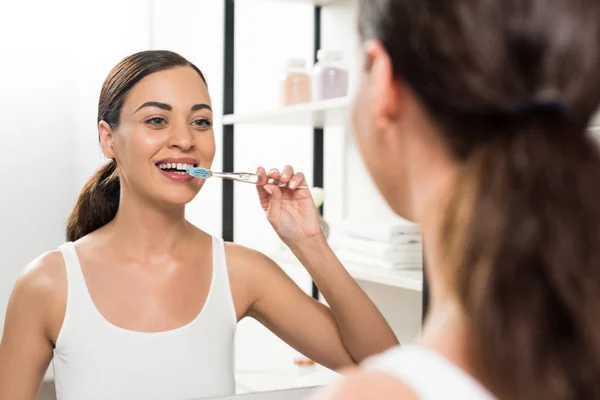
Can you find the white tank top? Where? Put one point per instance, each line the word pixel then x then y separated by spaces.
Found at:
pixel 95 359
pixel 428 374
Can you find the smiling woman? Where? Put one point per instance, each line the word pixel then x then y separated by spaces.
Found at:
pixel 141 304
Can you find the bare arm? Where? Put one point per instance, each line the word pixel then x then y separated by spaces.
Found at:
pixel 363 330
pixel 26 348
pixel 335 338
pixel 353 328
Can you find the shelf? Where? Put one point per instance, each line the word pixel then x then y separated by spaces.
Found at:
pixel 285 378
pixel 315 114
pixel 313 2
pixel 404 279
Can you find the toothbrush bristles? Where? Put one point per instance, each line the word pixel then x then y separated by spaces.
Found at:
pixel 198 172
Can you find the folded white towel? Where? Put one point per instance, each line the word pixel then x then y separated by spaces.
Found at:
pixel 351 257
pixel 390 230
pixel 385 251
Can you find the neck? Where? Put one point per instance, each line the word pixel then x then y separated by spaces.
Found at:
pixel 431 178
pixel 144 228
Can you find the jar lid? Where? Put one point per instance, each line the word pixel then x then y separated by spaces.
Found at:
pixel 296 63
pixel 329 55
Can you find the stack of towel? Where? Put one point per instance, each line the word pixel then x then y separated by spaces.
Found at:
pixel 380 243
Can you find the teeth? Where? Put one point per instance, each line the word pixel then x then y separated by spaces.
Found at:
pixel 179 166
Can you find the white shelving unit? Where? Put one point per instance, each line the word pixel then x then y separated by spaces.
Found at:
pixel 265 363
pixel 315 114
pixel 403 279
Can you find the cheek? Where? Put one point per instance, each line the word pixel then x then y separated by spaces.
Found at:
pixel 207 146
pixel 135 148
pixel 137 143
pixel 362 124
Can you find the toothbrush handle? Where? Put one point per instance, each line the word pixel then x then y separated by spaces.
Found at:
pixel 251 178
pixel 272 181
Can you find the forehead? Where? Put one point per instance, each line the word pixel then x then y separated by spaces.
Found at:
pixel 180 87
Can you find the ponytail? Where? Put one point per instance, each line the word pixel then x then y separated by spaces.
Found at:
pixel 522 238
pixel 97 203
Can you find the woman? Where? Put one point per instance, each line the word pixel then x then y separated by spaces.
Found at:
pixel 140 304
pixel 471 117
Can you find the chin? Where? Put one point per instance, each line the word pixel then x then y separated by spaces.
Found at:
pixel 177 198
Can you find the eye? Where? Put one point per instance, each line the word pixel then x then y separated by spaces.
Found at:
pixel 156 121
pixel 202 123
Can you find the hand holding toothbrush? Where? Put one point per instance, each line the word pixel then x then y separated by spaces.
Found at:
pixel 290 210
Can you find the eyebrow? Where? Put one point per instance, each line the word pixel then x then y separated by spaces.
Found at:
pixel 157 104
pixel 167 107
pixel 198 107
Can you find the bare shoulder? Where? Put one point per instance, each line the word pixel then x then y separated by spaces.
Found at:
pixel 43 278
pixel 246 261
pixel 249 272
pixel 41 289
pixel 366 385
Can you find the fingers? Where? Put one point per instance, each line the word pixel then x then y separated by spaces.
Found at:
pixel 274 173
pixel 274 208
pixel 269 195
pixel 297 180
pixel 287 174
pixel 262 193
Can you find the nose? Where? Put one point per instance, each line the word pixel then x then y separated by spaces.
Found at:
pixel 182 138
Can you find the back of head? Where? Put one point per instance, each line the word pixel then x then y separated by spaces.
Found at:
pixel 98 201
pixel 512 85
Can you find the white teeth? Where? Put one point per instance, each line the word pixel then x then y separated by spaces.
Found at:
pixel 179 166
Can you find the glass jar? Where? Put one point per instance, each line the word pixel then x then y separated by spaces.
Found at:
pixel 295 83
pixel 329 79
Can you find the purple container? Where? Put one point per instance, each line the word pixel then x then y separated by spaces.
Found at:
pixel 328 78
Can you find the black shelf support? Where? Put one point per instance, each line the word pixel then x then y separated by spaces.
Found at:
pixel 228 108
pixel 318 138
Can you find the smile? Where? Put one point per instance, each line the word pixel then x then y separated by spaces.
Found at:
pixel 177 168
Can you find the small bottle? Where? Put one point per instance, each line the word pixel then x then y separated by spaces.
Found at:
pixel 328 79
pixel 295 83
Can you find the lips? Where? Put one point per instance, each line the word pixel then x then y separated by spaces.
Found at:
pixel 177 176
pixel 174 168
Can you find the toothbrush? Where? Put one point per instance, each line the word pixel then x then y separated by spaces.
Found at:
pixel 204 173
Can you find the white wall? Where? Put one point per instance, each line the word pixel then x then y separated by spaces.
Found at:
pixel 36 123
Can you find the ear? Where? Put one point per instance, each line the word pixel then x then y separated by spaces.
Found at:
pixel 384 88
pixel 106 135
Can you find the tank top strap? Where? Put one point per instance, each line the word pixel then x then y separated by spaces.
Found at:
pixel 76 285
pixel 222 286
pixel 80 308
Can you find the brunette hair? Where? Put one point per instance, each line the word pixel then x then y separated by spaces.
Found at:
pixel 512 86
